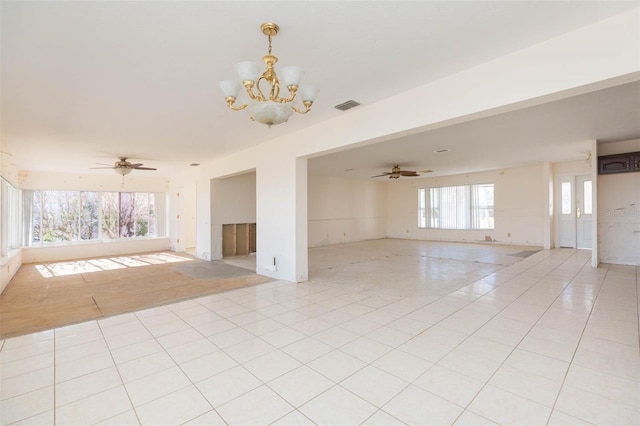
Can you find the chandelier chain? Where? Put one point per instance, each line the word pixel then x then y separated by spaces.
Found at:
pixel 269 44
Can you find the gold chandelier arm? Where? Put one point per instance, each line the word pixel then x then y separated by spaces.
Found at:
pixel 307 108
pixel 292 94
pixel 231 100
pixel 249 85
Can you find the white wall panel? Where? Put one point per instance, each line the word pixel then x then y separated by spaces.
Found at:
pixel 345 210
pixel 518 203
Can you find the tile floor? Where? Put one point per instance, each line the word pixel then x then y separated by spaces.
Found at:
pixel 385 333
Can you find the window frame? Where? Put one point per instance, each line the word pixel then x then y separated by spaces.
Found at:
pixel 467 213
pixel 153 201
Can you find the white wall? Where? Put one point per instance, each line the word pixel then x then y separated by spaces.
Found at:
pixel 75 182
pixel 93 249
pixel 619 210
pixel 591 58
pixel 345 210
pixel 9 265
pixel 518 199
pixel 233 200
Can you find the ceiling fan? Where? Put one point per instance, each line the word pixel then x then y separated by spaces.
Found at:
pixel 396 172
pixel 124 167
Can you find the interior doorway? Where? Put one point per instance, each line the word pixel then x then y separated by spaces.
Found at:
pixel 187 224
pixel 575 211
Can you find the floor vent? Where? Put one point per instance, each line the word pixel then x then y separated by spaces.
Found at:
pixel 347 105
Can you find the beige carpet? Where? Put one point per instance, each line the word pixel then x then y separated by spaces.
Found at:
pixel 45 296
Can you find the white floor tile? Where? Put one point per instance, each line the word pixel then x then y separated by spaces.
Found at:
pixel 596 409
pixel 192 350
pixel 249 349
pixel 274 364
pixel 307 349
pixel 72 369
pixel 258 407
pixel 25 365
pixel 87 385
pixel 145 366
pixel 450 385
pixel 231 337
pixel 504 407
pixel 337 365
pixel 413 405
pixel 294 418
pixel 28 339
pixel 44 347
pixel 175 408
pixel 531 386
pixel 283 337
pixel 300 385
pixel 81 351
pixel 365 349
pixel 210 418
pixel 327 348
pixel 374 385
pixel 44 419
pixel 95 408
pixel 156 385
pixel 467 418
pixel 559 418
pixel 612 387
pixel 346 408
pixel 390 336
pixel 402 365
pixel 26 383
pixel 228 385
pixel 26 405
pixel 380 418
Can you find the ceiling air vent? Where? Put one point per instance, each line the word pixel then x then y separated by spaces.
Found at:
pixel 347 105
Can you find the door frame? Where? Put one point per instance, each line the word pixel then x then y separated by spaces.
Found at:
pixel 559 179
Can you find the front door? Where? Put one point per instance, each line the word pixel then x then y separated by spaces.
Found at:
pixel 575 209
pixel 584 211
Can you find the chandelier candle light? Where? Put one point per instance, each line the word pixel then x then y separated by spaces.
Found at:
pixel 271 109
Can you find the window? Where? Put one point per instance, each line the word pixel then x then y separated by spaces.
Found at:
pixel 11 211
pixel 59 216
pixel 566 197
pixel 588 200
pixel 456 207
pixel 422 208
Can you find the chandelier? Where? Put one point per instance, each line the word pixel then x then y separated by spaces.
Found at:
pixel 265 104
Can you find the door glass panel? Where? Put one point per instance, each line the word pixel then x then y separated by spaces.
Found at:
pixel 566 197
pixel 588 204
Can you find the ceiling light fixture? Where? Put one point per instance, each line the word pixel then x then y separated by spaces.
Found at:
pixel 270 109
pixel 123 170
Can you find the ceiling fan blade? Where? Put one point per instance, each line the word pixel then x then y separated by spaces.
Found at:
pixel 136 165
pixel 408 173
pixel 104 164
pixel 143 168
pixel 384 174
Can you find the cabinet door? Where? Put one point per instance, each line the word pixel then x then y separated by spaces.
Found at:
pixel 636 163
pixel 617 164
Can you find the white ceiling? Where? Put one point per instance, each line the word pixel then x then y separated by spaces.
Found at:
pixel 86 82
pixel 555 132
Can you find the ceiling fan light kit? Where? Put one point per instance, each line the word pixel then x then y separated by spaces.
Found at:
pixel 269 108
pixel 124 167
pixel 397 172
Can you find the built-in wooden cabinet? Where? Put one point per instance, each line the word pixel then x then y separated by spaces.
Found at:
pixel 238 239
pixel 619 163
